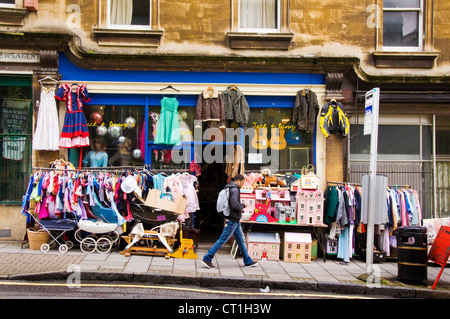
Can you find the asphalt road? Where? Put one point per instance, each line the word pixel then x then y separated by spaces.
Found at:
pixel 120 290
pixel 113 298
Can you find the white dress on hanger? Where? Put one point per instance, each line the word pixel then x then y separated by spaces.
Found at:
pixel 46 135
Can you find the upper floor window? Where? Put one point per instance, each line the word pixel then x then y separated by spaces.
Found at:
pixel 8 3
pixel 129 14
pixel 403 25
pixel 259 15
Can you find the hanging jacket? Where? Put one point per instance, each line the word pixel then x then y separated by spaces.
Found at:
pixel 333 119
pixel 210 108
pixel 236 106
pixel 305 110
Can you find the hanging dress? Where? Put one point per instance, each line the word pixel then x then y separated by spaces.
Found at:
pixel 168 129
pixel 75 131
pixel 46 135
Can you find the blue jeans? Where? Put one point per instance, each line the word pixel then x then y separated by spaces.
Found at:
pixel 231 229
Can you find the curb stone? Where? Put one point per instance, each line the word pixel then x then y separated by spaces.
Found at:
pixel 231 282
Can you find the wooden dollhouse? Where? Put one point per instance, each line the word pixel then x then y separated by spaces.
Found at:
pixel 297 247
pixel 263 245
pixel 310 207
pixel 271 197
pixel 249 200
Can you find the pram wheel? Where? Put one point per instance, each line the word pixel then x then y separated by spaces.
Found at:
pixel 104 245
pixel 69 244
pixel 88 245
pixel 45 248
pixel 63 249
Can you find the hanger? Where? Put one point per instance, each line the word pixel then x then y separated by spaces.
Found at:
pixel 170 87
pixel 74 86
pixel 48 77
pixel 233 87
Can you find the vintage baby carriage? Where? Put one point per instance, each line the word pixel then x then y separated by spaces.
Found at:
pixel 160 239
pixel 56 229
pixel 100 232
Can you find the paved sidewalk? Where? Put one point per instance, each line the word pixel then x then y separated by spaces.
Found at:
pixel 330 276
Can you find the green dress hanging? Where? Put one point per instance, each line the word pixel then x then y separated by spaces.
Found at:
pixel 168 129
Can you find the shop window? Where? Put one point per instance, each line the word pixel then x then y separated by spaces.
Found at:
pixel 167 156
pixel 404 156
pixel 15 137
pixel 394 141
pixel 272 131
pixel 402 25
pixel 121 132
pixel 129 13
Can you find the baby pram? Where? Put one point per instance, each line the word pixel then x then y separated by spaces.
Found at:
pixel 100 232
pixel 56 228
pixel 160 239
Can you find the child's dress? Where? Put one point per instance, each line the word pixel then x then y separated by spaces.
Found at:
pixel 75 131
pixel 46 135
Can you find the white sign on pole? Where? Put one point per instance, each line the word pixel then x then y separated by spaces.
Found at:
pixel 372 111
pixel 368 113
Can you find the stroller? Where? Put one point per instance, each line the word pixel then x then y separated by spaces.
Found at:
pixel 99 233
pixel 56 228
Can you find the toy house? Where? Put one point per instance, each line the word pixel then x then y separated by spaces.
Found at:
pixel 310 207
pixel 285 214
pixel 266 201
pixel 249 200
pixel 297 247
pixel 263 245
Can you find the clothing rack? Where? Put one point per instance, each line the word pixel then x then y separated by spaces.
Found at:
pixel 118 169
pixel 343 183
pixel 399 186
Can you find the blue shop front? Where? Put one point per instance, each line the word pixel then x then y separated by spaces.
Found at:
pixel 125 107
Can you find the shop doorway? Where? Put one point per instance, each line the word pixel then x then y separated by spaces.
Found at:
pixel 212 180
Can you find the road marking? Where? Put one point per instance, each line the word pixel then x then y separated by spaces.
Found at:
pixel 200 290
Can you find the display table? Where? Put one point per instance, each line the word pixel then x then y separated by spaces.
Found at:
pixel 318 231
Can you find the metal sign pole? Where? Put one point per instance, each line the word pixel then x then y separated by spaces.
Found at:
pixel 371 127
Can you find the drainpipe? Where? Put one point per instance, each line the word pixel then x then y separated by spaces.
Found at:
pixel 434 168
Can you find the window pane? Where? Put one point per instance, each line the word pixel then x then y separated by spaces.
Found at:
pixel 400 29
pixel 295 147
pixel 258 14
pixel 7 1
pixel 392 139
pixel 401 3
pixel 112 126
pixel 130 12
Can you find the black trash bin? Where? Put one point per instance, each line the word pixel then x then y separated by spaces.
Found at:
pixel 412 255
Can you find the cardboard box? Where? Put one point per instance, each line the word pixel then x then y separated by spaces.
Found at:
pixel 154 200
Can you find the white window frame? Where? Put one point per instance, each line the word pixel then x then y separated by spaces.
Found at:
pixel 125 26
pixel 8 5
pixel 261 30
pixel 420 29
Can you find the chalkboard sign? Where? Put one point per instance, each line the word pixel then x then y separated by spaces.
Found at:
pixel 15 118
